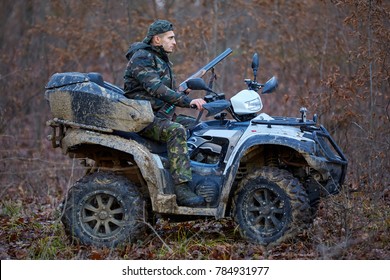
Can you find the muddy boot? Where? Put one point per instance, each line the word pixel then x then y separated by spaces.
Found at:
pixel 186 197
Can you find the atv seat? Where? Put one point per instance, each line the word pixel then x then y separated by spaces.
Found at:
pixel 153 146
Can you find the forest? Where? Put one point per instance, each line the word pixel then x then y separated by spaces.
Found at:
pixel 330 56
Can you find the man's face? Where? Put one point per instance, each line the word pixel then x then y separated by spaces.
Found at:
pixel 167 41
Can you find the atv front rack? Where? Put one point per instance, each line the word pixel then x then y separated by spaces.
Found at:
pixel 285 121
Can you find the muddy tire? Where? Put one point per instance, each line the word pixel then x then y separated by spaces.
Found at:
pixel 270 206
pixel 104 209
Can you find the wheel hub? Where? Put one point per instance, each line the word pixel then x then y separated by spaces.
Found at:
pixel 266 210
pixel 103 215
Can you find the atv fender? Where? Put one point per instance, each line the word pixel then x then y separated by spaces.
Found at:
pixel 305 148
pixel 142 157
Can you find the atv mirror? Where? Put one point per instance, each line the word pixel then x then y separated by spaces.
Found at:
pixel 270 85
pixel 255 65
pixel 197 84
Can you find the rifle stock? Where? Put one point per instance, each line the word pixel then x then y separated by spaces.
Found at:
pixel 200 73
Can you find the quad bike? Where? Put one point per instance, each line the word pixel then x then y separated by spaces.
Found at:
pixel 267 173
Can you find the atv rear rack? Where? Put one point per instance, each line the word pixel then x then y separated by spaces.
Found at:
pixel 55 123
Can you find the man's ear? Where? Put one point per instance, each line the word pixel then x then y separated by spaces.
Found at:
pixel 156 40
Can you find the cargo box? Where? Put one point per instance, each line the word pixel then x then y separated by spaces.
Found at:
pixel 84 98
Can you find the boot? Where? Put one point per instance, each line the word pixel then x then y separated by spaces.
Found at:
pixel 186 197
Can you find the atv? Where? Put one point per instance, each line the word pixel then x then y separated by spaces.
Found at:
pixel 267 173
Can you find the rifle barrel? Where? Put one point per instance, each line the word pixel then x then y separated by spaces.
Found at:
pixel 207 67
pixel 218 59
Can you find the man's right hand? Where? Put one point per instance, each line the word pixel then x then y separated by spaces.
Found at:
pixel 198 103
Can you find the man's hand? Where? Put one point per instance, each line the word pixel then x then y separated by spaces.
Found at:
pixel 198 103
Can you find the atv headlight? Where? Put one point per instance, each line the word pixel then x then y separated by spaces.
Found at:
pixel 246 102
pixel 253 105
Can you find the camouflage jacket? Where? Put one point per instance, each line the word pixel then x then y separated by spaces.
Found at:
pixel 149 76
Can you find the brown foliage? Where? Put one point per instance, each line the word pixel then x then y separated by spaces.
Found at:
pixel 330 56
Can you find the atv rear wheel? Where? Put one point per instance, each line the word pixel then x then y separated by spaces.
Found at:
pixel 104 209
pixel 270 206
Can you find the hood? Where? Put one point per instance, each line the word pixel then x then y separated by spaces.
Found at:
pixel 140 45
pixel 135 47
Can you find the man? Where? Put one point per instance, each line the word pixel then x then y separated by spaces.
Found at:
pixel 149 76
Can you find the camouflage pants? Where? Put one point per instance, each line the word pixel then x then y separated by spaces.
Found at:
pixel 174 134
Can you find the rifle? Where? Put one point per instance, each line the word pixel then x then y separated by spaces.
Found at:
pixel 204 69
pixel 168 109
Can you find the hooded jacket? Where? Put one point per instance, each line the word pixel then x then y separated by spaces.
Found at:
pixel 149 76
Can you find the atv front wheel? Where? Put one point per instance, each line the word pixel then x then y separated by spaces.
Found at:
pixel 104 209
pixel 270 206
